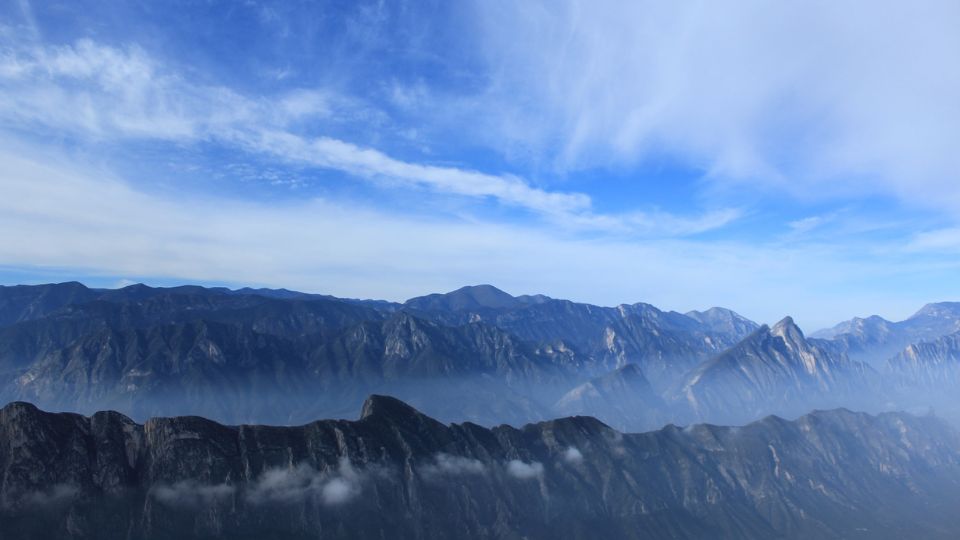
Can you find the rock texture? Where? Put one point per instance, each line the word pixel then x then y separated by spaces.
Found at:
pixel 775 370
pixel 278 356
pixel 664 344
pixel 396 473
pixel 932 366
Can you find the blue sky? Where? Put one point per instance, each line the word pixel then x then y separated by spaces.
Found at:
pixel 772 158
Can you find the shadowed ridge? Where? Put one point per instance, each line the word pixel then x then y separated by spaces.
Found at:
pixel 390 410
pixel 583 424
pixel 19 407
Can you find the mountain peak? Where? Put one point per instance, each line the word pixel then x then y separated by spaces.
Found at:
pixel 938 309
pixel 465 298
pixel 378 406
pixel 787 329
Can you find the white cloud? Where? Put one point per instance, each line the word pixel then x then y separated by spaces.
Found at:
pixel 110 93
pixel 523 470
pixel 339 490
pixel 448 465
pixel 572 455
pixel 85 221
pixel 300 483
pixel 813 98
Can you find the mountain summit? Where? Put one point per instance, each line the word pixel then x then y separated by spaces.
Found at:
pixel 472 297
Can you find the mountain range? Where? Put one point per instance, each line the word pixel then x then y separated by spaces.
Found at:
pixel 396 473
pixel 475 354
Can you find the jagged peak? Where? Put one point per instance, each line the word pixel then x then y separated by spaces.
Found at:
pixel 714 312
pixel 787 329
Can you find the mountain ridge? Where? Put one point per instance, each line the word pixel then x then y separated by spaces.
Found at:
pixel 396 472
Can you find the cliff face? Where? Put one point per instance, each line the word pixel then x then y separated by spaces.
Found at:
pixel 396 473
pixel 775 369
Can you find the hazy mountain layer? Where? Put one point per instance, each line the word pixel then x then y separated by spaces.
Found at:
pixel 775 370
pixel 875 339
pixel 663 344
pixel 477 354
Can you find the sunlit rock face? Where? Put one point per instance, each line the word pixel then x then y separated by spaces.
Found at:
pixel 396 473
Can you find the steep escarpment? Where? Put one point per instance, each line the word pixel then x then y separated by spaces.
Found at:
pixel 397 473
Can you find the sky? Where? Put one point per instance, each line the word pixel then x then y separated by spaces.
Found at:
pixel 776 158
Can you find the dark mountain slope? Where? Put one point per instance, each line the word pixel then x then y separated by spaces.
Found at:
pixel 396 473
pixel 20 303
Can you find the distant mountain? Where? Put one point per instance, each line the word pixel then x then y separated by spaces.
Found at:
pixel 472 298
pixel 20 303
pixel 875 339
pixel 477 354
pixel 663 344
pixel 623 398
pixel 775 370
pixel 397 473
pixel 26 342
pixel 338 345
pixel 932 366
pixel 244 359
pixel 724 321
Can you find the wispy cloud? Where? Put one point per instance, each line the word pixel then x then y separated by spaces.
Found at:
pixel 936 240
pixel 111 93
pixel 812 99
pixel 350 250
